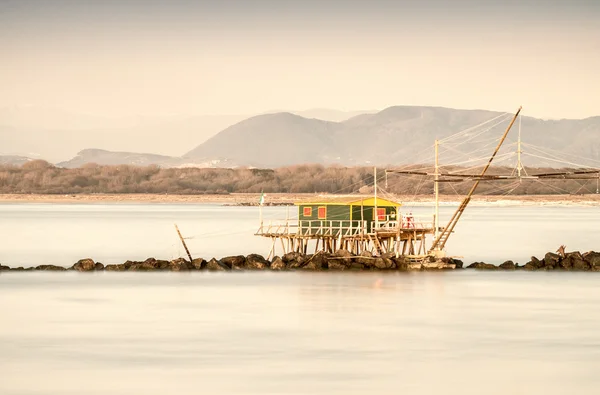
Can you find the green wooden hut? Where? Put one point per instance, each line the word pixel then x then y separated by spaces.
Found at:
pixel 345 212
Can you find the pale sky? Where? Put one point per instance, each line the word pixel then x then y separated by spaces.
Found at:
pixel 121 58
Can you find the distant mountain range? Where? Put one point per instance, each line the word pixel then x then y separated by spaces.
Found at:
pixel 392 136
pixel 57 135
pixel 389 137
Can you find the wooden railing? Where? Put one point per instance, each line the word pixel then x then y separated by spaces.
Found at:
pixel 313 228
pixel 406 223
pixel 337 228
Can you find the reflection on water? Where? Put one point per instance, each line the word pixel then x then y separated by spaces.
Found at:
pixel 60 234
pixel 299 333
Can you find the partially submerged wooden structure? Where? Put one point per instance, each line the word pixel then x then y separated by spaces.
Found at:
pixel 354 223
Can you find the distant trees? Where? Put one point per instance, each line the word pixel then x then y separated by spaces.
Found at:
pixel 41 177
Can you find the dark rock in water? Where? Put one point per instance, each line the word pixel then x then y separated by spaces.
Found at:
pixel 401 263
pixel 278 264
pixel 214 265
pixel 341 260
pixel 508 265
pixel 294 260
pixel 84 265
pixel 575 261
pixel 142 267
pixel 383 262
pixel 482 266
pixel 179 265
pixel 550 260
pixel 18 269
pixel 593 258
pixel 346 255
pixel 161 264
pixel 533 264
pixel 307 263
pixel 338 264
pixel 153 263
pixel 357 266
pixel 4 268
pixel 256 262
pixel 291 257
pixel 529 266
pixel 99 266
pixel 388 262
pixel 365 258
pixel 115 268
pixel 50 267
pixel 198 264
pixel 298 262
pixel 378 263
pixel 319 261
pixel 148 265
pixel 458 264
pixel 234 262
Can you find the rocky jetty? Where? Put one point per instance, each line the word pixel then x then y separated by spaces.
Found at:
pixel 570 261
pixel 340 261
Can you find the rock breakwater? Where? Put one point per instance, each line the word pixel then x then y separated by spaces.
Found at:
pixel 340 261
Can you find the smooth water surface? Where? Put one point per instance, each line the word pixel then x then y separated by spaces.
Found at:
pixel 61 234
pixel 461 332
pixel 300 333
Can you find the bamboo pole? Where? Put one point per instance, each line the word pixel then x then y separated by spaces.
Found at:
pixel 440 241
pixel 183 242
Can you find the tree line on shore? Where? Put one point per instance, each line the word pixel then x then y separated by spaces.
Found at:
pixel 41 177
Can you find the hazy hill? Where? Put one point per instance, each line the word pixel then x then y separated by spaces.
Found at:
pixel 56 135
pixel 272 140
pixel 326 114
pixel 14 160
pixel 396 135
pixel 102 157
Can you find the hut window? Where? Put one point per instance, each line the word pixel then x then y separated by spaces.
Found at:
pixel 322 212
pixel 381 214
pixel 307 211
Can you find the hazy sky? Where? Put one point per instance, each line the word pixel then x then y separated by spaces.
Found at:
pixel 127 57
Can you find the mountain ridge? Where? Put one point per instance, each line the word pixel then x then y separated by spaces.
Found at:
pixel 394 135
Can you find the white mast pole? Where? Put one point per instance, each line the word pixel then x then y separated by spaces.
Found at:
pixel 436 188
pixel 375 196
pixel 260 213
pixel 519 164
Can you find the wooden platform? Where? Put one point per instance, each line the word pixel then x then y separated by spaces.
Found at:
pixel 400 238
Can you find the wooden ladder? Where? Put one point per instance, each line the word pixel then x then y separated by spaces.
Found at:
pixel 376 242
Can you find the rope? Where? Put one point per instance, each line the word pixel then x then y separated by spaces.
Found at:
pixel 559 160
pixel 537 148
pixel 456 135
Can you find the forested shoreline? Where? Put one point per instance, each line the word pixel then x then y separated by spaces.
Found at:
pixel 40 177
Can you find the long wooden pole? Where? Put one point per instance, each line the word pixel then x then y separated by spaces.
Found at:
pixel 436 187
pixel 440 241
pixel 183 242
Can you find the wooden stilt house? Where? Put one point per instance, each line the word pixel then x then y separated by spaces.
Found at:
pixel 346 212
pixel 355 223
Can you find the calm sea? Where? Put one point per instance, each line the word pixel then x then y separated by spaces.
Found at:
pixel 460 332
pixel 61 234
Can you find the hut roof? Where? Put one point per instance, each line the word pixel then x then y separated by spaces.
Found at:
pixel 347 201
